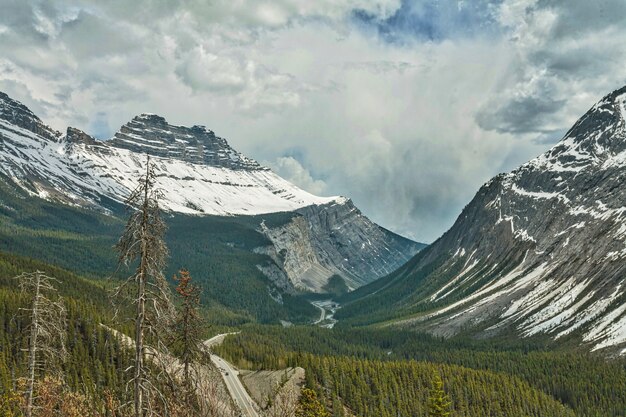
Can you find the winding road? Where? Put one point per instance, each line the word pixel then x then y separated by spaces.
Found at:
pixel 322 314
pixel 231 378
pixel 327 312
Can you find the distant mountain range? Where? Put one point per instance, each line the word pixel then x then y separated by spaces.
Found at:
pixel 540 251
pixel 315 239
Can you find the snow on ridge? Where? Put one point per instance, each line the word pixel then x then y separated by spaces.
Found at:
pixel 610 330
pixel 621 104
pixel 554 301
pixel 82 171
pixel 589 314
pixel 460 275
pixel 200 189
pixel 499 284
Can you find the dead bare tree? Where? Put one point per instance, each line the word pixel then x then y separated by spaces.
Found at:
pixel 47 329
pixel 142 242
pixel 285 402
pixel 214 399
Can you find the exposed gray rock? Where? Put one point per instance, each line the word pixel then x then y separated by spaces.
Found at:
pixel 151 134
pixel 335 239
pixel 352 245
pixel 74 135
pixel 200 174
pixel 541 250
pixel 19 115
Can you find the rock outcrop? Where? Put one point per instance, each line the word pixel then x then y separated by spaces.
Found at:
pixel 540 250
pixel 200 174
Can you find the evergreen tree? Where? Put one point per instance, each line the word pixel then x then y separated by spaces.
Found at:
pixel 310 406
pixel 187 327
pixel 438 401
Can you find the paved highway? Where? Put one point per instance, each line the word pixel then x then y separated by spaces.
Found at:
pixel 322 313
pixel 231 378
pixel 327 313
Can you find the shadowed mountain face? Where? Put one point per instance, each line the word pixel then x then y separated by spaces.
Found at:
pixel 539 251
pixel 200 175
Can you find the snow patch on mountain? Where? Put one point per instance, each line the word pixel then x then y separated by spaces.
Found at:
pixel 86 172
pixel 199 173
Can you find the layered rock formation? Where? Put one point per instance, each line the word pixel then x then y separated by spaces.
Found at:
pixel 200 174
pixel 540 250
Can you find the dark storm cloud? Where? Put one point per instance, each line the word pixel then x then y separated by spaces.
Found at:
pixel 520 114
pixel 566 52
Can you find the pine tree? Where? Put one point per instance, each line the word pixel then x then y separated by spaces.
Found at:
pixel 310 406
pixel 438 401
pixel 143 241
pixel 187 327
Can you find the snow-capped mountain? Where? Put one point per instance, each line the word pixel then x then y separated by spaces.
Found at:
pixel 199 171
pixel 200 174
pixel 541 250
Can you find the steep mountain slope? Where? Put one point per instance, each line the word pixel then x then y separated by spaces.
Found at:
pixel 540 250
pixel 200 175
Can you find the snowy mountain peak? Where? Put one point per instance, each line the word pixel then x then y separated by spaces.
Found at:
pixel 201 173
pixel 152 134
pixel 19 115
pixel 604 119
pixel 597 139
pixel 74 135
pixel 541 249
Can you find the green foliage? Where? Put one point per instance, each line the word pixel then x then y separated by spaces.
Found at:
pixel 310 406
pixel 96 361
pixel 389 371
pixel 336 286
pixel 438 401
pixel 218 249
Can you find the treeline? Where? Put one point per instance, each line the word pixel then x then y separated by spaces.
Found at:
pixel 94 369
pixel 589 385
pixel 62 356
pixel 218 250
pixel 401 388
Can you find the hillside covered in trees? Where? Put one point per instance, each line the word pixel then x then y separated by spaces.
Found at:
pixel 390 373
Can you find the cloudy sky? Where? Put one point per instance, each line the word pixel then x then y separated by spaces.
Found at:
pixel 407 107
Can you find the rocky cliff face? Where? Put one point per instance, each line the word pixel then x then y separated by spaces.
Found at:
pixel 540 250
pixel 151 134
pixel 15 113
pixel 335 239
pixel 200 174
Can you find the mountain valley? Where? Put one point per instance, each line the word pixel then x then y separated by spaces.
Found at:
pixel 240 227
pixel 539 251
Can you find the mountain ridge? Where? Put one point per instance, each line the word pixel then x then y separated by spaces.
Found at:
pixel 539 251
pixel 200 174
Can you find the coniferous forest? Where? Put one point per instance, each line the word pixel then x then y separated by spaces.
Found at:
pixel 389 373
pixel 407 208
pixel 350 371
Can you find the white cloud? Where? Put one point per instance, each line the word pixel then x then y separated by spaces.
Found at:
pixel 408 129
pixel 290 169
pixel 202 70
pixel 567 55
